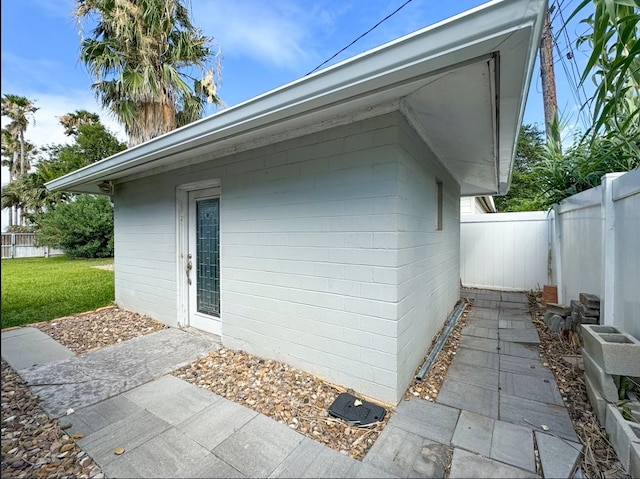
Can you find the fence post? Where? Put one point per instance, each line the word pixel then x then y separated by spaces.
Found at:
pixel 13 245
pixel 556 252
pixel 607 301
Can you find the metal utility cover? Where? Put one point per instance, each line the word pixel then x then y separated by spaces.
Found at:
pixel 344 407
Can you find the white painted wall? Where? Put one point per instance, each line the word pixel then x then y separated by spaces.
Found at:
pixel 504 251
pixel 322 255
pixel 429 259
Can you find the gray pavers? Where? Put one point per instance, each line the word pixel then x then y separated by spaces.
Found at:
pixel 88 420
pixel 469 397
pixel 531 387
pixel 535 414
pixel 480 332
pixel 481 344
pixel 171 452
pixel 214 467
pixel 519 335
pixel 530 351
pixel 467 373
pixel 478 312
pixel 426 419
pixel 404 454
pixel 483 323
pixel 127 433
pixel 468 464
pixel 217 422
pixel 482 359
pixel 171 399
pixel 258 447
pixel 27 347
pixel 473 433
pixel 311 459
pixel 366 471
pixel 92 377
pixel 513 445
pixel 528 366
pixel 558 457
pixel 512 324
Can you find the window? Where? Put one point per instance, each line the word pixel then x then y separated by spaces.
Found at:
pixel 439 199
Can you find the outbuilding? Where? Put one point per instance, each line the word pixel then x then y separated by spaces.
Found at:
pixel 318 223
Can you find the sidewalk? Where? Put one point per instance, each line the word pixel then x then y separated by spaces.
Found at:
pixel 488 418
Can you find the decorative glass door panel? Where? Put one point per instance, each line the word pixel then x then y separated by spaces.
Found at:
pixel 203 260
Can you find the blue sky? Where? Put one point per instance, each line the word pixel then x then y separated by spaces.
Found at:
pixel 262 48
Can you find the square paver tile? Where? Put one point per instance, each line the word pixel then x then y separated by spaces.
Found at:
pixel 483 359
pixel 467 464
pixel 312 459
pixel 473 433
pixel 513 444
pixel 480 332
pixel 531 366
pixel 481 344
pixel 519 335
pixel 476 375
pixel 404 454
pixel 258 447
pixel 217 422
pixel 534 414
pixel 90 419
pixel 426 419
pixel 469 397
pixel 521 350
pixel 170 454
pixel 531 387
pixel 558 457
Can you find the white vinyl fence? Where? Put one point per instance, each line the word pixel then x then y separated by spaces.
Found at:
pixel 23 245
pixel 589 243
pixel 505 251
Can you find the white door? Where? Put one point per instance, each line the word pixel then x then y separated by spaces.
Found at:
pixel 203 260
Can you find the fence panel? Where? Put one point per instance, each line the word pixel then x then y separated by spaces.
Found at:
pixel 505 251
pixel 23 245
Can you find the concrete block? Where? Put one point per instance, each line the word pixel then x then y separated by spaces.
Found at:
pixel 588 312
pixel 614 350
pixel 622 434
pixel 574 305
pixel 598 403
pixel 590 300
pixel 602 381
pixel 560 309
pixel 588 319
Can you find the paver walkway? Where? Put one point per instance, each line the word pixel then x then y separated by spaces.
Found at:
pixel 497 405
pixel 487 420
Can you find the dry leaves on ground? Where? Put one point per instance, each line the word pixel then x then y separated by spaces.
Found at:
pixel 563 354
pixel 292 397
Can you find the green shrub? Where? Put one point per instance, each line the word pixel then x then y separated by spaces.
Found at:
pixel 82 227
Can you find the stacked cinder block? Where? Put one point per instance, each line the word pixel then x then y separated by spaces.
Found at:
pixel 585 311
pixel 557 317
pixel 608 354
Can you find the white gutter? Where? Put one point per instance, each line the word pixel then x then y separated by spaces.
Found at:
pixel 402 60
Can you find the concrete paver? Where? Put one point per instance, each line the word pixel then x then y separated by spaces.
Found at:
pixel 94 376
pixel 513 445
pixel 557 456
pixel 473 433
pixel 467 464
pixel 258 447
pixel 27 347
pixel 495 397
pixel 426 419
pixel 469 397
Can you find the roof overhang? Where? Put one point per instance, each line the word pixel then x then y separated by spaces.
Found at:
pixel 461 83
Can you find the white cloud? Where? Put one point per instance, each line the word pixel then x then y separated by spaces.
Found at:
pixel 280 34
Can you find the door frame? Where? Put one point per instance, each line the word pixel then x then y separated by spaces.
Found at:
pixel 182 243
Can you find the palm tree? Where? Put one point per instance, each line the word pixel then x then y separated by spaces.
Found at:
pixel 21 112
pixel 72 121
pixel 140 54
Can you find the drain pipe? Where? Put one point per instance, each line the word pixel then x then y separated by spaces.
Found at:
pixel 451 323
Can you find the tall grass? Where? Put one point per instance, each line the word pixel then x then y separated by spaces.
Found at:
pixel 41 289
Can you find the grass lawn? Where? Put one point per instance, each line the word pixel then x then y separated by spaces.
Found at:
pixel 40 289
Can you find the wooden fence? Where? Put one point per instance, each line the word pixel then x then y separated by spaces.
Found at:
pixel 23 245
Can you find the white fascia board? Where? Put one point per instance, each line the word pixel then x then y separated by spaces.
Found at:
pixel 397 62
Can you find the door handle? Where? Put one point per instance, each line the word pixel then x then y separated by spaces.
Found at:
pixel 189 267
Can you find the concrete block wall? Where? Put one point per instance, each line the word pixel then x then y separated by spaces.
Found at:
pixel 429 259
pixel 323 263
